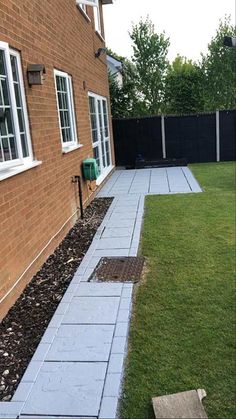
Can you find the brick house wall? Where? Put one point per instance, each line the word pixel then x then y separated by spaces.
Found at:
pixel 39 206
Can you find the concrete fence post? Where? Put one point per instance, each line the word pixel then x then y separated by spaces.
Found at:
pixel 163 136
pixel 217 135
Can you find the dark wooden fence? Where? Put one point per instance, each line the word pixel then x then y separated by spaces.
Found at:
pixel 197 138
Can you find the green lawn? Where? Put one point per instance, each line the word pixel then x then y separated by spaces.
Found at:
pixel 183 327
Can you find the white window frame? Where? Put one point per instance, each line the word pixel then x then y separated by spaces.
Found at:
pixel 97 18
pixel 74 142
pixel 20 160
pixel 83 8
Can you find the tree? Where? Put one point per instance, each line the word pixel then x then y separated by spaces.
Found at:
pixel 183 87
pixel 150 60
pixel 218 67
pixel 124 99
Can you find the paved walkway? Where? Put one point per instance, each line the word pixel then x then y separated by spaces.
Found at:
pixel 151 182
pixel 77 368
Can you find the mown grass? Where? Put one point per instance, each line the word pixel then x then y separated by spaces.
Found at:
pixel 183 328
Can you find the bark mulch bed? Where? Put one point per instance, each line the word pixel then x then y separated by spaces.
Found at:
pixel 22 328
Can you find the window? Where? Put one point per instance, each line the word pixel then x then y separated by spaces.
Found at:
pixel 97 18
pixel 65 106
pixel 15 145
pixel 100 132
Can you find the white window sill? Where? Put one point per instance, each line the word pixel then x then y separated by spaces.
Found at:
pixel 4 174
pixel 67 150
pixel 84 13
pixel 103 176
pixel 100 36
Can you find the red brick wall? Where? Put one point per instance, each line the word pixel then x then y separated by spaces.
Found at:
pixel 35 204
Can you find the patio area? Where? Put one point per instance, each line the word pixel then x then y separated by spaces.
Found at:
pixel 151 182
pixel 77 369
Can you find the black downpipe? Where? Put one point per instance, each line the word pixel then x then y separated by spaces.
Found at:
pixel 77 179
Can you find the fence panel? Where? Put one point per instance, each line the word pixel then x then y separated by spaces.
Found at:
pixel 227 135
pixel 136 136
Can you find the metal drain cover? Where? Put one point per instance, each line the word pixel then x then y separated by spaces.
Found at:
pixel 122 269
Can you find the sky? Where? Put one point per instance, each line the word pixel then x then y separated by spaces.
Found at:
pixel 190 24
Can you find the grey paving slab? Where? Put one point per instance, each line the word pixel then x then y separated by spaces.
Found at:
pixel 118 223
pixel 92 310
pixel 112 385
pixel 90 289
pixel 116 363
pixel 118 345
pixel 133 252
pixel 194 185
pixel 122 329
pixel 117 232
pixel 127 292
pixel 111 252
pixel 81 343
pixel 22 392
pixel 67 388
pixel 40 352
pixel 49 335
pixel 108 408
pixel 123 316
pixel 10 410
pixel 115 243
pixel 56 321
pixel 31 372
pixel 125 303
pixel 177 180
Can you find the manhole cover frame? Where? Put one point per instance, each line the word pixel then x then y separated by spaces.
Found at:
pixel 118 269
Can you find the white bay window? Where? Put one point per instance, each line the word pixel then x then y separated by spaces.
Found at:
pixel 15 145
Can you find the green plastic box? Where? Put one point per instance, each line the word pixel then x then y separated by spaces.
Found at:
pixel 90 169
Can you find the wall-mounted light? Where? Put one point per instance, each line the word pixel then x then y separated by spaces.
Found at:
pixel 100 52
pixel 35 73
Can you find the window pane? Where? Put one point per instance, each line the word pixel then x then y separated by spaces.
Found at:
pixel 3 127
pixel 63 84
pixel 17 95
pixel 2 63
pixel 9 121
pixel 64 137
pixel 1 155
pixel 96 156
pixel 104 105
pixel 108 154
pixel 66 119
pixel 13 148
pixel 24 145
pixel 92 104
pixel 6 149
pixel 5 94
pixel 14 68
pixel 58 83
pixel 93 121
pixel 62 119
pixel 20 120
